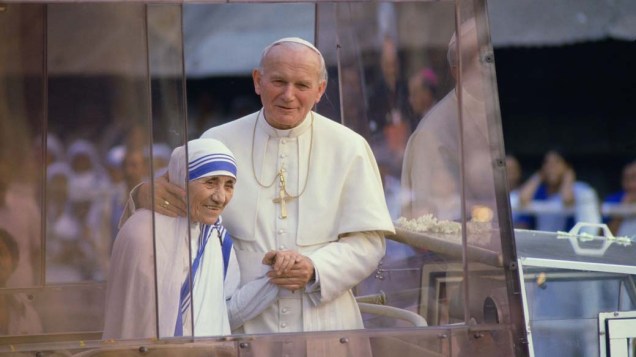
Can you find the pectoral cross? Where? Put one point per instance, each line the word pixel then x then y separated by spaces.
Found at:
pixel 283 197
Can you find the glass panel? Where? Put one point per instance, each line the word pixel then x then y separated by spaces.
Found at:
pixel 569 280
pixel 94 80
pixel 22 140
pixel 563 307
pixel 146 295
pixel 391 81
pixel 373 51
pixel 113 93
pixel 66 312
pixel 173 243
pixel 94 107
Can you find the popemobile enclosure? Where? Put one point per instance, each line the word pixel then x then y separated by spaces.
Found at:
pixel 95 95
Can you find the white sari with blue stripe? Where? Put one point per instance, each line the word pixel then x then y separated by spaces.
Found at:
pixel 210 251
pixel 131 303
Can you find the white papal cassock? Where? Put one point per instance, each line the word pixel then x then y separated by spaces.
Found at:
pixel 339 221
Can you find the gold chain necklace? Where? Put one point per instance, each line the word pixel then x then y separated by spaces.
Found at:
pixel 283 195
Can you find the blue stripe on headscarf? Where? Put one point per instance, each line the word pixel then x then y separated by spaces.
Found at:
pixel 209 157
pixel 210 166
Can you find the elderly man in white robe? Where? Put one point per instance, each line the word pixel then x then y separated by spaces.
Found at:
pixel 210 173
pixel 440 145
pixel 313 186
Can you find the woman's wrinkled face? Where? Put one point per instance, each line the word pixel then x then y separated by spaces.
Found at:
pixel 209 196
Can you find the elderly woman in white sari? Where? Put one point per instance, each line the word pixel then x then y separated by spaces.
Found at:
pixel 183 301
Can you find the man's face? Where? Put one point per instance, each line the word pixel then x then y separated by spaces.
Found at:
pixel 135 167
pixel 290 84
pixel 554 167
pixel 420 97
pixel 389 61
pixel 81 163
pixel 209 196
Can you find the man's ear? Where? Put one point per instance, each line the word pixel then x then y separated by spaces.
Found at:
pixel 256 79
pixel 322 87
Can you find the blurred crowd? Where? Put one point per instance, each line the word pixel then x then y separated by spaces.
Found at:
pixel 86 192
pixel 85 189
pixel 554 199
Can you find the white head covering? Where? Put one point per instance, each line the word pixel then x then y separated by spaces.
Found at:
pixel 83 147
pixel 298 40
pixel 115 156
pixel 87 185
pixel 161 151
pixel 59 168
pixel 206 157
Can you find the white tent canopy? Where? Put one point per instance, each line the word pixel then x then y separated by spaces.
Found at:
pixel 559 22
pixel 211 30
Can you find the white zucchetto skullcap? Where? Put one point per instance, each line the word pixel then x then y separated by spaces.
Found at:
pixel 296 40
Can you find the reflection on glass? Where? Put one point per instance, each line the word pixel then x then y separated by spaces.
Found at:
pixel 446 157
pixel 94 121
pixel 91 152
pixel 432 170
pixel 21 138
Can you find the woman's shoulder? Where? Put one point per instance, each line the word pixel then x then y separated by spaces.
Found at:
pixel 137 231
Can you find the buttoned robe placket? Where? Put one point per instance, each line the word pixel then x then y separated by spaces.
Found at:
pixel 289 304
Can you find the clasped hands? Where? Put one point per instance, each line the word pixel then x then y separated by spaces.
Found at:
pixel 290 270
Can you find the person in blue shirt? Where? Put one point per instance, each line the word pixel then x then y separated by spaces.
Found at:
pixel 558 199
